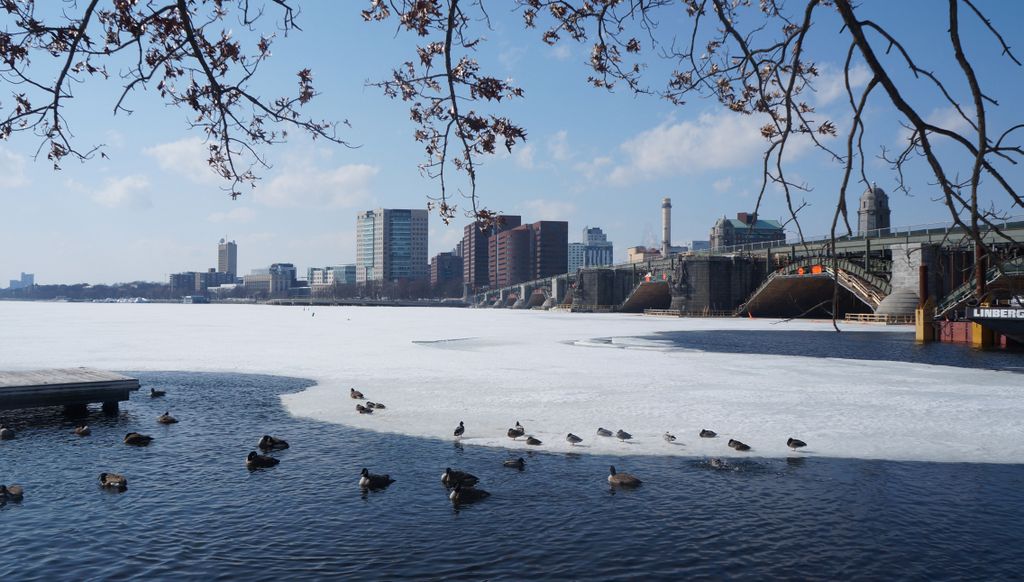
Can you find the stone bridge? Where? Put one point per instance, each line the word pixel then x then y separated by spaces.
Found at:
pixel 867 275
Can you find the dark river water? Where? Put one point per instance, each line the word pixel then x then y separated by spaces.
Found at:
pixel 856 345
pixel 192 510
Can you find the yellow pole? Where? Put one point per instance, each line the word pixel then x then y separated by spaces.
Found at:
pixel 982 338
pixel 924 322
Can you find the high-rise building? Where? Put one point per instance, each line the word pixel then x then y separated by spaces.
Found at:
pixel 503 223
pixel 550 248
pixel 530 251
pixel 445 268
pixel 227 257
pixel 511 257
pixel 597 250
pixel 577 256
pixel 873 213
pixel 391 244
pixel 474 255
pixel 746 228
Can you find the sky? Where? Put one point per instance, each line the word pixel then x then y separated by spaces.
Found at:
pixel 592 157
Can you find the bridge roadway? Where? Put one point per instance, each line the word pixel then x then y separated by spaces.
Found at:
pixel 944 234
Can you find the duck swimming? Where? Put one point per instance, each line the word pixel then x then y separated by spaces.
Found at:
pixel 467 494
pixel 137 439
pixel 154 393
pixel 451 478
pixel 368 480
pixel 707 434
pixel 621 479
pixel 166 418
pixel 269 443
pixel 11 493
pixel 515 463
pixel 6 434
pixel 82 430
pixel 113 481
pixel 257 461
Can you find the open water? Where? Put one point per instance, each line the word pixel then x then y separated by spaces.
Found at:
pixel 192 510
pixel 855 345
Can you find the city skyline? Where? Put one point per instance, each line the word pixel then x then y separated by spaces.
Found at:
pixel 104 220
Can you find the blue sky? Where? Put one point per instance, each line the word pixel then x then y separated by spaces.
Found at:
pixel 592 157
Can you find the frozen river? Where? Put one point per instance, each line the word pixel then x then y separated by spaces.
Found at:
pixel 558 373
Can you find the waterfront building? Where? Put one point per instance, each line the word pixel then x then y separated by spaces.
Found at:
pixel 391 244
pixel 550 248
pixel 270 282
pixel 577 256
pixel 26 280
pixel 873 213
pixel 529 251
pixel 642 254
pixel 746 228
pixel 510 256
pixel 695 245
pixel 598 250
pixel 197 282
pixel 476 252
pixel 445 268
pixel 330 276
pixel 227 257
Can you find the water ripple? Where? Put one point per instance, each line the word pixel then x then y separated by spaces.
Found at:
pixel 193 511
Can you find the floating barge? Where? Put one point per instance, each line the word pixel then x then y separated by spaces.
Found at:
pixel 72 388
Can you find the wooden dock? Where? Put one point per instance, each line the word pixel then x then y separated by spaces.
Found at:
pixel 72 388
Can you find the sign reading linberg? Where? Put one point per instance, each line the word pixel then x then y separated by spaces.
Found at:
pixel 995 313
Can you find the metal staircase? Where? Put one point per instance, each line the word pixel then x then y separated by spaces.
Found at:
pixel 959 296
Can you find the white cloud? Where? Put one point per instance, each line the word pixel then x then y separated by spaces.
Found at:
pixel 241 214
pixel 12 170
pixel 949 118
pixel 830 84
pixel 544 209
pixel 186 158
pixel 524 156
pixel 509 56
pixel 712 142
pixel 445 237
pixel 558 146
pixel 125 192
pixel 561 52
pixel 723 184
pixel 591 169
pixel 303 184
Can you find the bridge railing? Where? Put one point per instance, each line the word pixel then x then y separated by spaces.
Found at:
pixel 927 229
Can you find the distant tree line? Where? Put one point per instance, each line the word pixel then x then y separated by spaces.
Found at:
pixel 403 289
pixel 86 292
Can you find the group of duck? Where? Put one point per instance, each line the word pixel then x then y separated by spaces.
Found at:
pixel 518 431
pixel 369 407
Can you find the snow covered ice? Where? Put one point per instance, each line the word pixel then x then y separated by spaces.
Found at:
pixel 554 372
